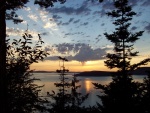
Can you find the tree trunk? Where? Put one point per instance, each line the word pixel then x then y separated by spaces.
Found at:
pixel 3 78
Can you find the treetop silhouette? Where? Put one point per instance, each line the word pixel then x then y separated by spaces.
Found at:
pixel 122 94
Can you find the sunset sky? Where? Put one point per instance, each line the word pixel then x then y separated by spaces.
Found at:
pixel 75 30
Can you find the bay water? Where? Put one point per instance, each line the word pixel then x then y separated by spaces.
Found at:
pixel 48 80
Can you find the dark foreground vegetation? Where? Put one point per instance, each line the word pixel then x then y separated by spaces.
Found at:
pixel 19 93
pixel 123 95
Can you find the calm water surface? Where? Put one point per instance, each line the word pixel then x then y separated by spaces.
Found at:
pixel 48 80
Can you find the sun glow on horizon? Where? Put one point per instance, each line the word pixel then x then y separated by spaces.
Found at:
pixel 73 66
pixel 76 66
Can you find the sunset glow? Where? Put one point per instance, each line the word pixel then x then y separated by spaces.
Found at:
pixel 75 30
pixel 75 66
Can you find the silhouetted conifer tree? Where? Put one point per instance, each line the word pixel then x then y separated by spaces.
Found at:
pixel 62 97
pixel 67 99
pixel 122 94
pixel 23 93
pixel 77 98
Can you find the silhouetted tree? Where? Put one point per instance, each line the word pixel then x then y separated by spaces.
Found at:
pixel 67 99
pixel 122 94
pixel 48 3
pixel 77 98
pixel 23 93
pixel 8 12
pixel 62 97
pixel 145 95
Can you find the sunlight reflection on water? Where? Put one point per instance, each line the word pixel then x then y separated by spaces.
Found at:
pixel 48 80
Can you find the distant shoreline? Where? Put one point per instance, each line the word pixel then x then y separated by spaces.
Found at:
pixel 139 71
pixel 51 72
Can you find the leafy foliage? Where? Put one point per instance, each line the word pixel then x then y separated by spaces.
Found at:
pixel 11 7
pixel 48 3
pixel 23 93
pixel 8 10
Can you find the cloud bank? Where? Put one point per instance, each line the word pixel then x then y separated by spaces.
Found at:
pixel 80 52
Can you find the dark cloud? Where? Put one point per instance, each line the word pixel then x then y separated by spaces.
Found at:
pixel 141 2
pixel 88 36
pixel 97 20
pixel 96 12
pixel 83 52
pixel 139 14
pixel 60 23
pixel 94 2
pixel 84 24
pixel 65 23
pixel 86 53
pixel 146 3
pixel 68 34
pixel 147 28
pixel 66 48
pixel 64 9
pixel 145 22
pixel 103 12
pixel 83 9
pixel 108 5
pixel 102 24
pixel 71 19
pixel 45 33
pixel 133 2
pixel 48 48
pixel 56 17
pixel 133 28
pixel 71 34
pixel 76 21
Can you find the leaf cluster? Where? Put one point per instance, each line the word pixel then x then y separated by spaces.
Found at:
pixel 48 3
pixel 23 93
pixel 11 6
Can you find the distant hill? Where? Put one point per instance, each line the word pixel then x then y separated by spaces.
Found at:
pixel 94 73
pixel 139 71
